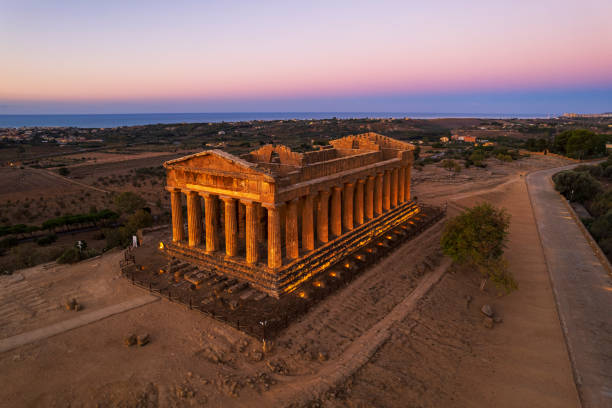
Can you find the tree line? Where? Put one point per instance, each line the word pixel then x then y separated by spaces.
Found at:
pixel 575 143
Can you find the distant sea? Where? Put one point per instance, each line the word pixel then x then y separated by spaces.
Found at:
pixel 132 119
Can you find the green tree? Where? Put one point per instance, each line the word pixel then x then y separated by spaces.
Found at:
pixel 477 238
pixel 477 157
pixel 577 185
pixel 128 202
pixel 580 143
pixel 140 219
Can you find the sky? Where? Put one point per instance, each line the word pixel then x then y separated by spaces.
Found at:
pixel 471 56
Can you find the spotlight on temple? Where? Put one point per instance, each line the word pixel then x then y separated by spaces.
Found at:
pixel 274 218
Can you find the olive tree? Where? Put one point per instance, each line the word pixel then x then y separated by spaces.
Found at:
pixel 477 238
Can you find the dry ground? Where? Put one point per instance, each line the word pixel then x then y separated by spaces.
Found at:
pixel 440 355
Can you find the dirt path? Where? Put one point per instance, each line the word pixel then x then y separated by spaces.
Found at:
pixel 583 291
pixel 304 388
pixel 49 173
pixel 442 355
pixel 81 320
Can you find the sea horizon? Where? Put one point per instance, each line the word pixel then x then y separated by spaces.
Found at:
pixel 111 120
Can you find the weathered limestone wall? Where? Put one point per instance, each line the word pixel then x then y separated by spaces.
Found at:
pixel 285 155
pixel 319 156
pixel 324 169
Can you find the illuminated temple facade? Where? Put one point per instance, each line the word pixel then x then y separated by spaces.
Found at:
pixel 274 218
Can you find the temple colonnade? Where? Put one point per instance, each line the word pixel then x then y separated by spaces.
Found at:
pixel 292 228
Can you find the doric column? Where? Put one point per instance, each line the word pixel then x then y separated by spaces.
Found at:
pixel 401 182
pixel 275 258
pixel 307 223
pixel 394 178
pixel 359 202
pixel 241 222
pixel 252 249
pixel 291 230
pixel 336 211
pixel 231 227
pixel 261 223
pixel 369 197
pixel 211 210
pixel 322 216
pixel 348 199
pixel 387 190
pixel 407 181
pixel 378 194
pixel 194 218
pixel 178 228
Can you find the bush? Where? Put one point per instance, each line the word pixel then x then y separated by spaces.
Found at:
pixel 63 171
pixel 73 255
pixel 8 242
pixel 601 204
pixel 47 240
pixel 595 171
pixel 606 246
pixel 129 202
pixel 601 227
pixel 477 238
pixel 576 185
pixel 140 219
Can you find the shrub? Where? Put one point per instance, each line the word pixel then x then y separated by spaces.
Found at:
pixel 47 240
pixel 117 237
pixel 601 204
pixel 72 255
pixel 601 227
pixel 606 246
pixel 128 202
pixel 63 171
pixel 140 219
pixel 576 185
pixel 477 238
pixel 595 171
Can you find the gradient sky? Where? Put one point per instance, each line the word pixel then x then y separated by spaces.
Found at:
pixel 521 56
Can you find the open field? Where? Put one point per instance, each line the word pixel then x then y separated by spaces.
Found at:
pixel 438 354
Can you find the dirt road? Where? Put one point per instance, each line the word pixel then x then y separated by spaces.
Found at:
pixel 583 291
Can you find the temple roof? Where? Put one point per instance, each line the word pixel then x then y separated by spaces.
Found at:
pixel 217 161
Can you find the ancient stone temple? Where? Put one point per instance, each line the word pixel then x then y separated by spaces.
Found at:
pixel 275 218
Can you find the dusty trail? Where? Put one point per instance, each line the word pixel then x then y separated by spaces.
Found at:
pixel 303 388
pixel 307 387
pixel 48 173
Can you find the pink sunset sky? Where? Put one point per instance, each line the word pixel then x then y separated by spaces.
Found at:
pixel 68 54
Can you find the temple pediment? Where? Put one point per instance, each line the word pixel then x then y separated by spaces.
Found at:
pixel 217 161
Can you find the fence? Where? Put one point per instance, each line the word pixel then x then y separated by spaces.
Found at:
pixel 267 318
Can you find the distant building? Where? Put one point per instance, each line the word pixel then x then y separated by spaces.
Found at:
pixel 444 139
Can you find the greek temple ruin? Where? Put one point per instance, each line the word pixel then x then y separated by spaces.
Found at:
pixel 275 218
